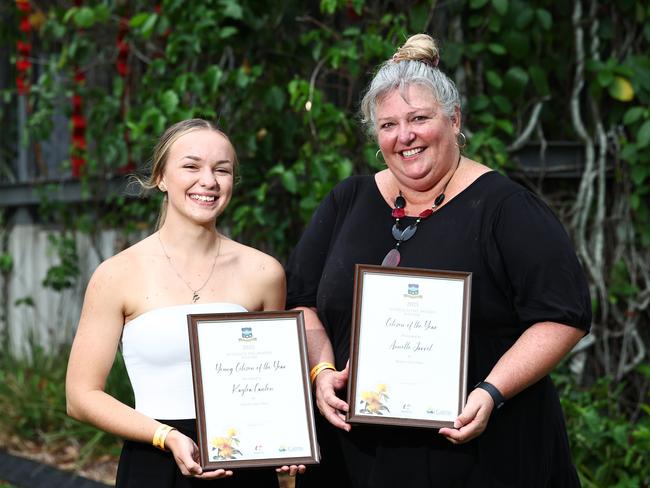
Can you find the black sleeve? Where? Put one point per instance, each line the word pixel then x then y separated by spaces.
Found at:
pixel 546 279
pixel 307 260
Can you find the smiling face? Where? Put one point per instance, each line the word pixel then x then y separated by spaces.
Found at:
pixel 198 176
pixel 417 139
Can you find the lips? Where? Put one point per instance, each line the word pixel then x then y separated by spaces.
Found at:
pixel 411 152
pixel 203 198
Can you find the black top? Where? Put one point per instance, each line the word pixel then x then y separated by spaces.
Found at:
pixel 524 271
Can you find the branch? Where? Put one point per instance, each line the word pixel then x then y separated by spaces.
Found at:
pixel 530 127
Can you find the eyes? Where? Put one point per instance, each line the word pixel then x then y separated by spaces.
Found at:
pixel 415 119
pixel 220 169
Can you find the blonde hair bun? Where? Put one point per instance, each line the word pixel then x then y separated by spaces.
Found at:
pixel 420 47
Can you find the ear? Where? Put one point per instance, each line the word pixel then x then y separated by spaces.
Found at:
pixel 456 119
pixel 161 186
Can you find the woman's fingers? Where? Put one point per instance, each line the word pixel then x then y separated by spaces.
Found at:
pixel 473 420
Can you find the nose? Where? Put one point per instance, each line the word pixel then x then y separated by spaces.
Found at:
pixel 207 178
pixel 405 135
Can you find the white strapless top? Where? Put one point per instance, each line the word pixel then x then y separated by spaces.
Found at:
pixel 156 351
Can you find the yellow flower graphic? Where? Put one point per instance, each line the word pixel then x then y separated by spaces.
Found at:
pixel 225 446
pixel 372 401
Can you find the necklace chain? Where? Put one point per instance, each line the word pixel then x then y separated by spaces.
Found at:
pixel 393 256
pixel 195 292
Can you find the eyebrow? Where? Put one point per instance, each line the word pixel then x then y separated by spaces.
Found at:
pixel 196 158
pixel 412 112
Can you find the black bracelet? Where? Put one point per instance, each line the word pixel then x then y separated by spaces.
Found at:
pixel 494 392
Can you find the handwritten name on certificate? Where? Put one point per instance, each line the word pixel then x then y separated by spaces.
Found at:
pixel 253 390
pixel 410 346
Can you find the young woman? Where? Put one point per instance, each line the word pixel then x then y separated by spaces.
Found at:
pixel 139 299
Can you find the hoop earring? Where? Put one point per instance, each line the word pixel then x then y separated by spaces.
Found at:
pixel 461 140
pixel 382 156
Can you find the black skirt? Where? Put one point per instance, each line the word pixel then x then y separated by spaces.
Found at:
pixel 142 465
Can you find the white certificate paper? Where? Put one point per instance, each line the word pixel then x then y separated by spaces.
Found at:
pixel 409 346
pixel 252 391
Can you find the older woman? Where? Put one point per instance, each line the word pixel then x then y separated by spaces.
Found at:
pixel 530 303
pixel 139 299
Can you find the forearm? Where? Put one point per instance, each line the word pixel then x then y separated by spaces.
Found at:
pixel 539 349
pixel 98 408
pixel 319 347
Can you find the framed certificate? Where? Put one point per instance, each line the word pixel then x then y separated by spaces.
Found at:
pixel 251 390
pixel 408 353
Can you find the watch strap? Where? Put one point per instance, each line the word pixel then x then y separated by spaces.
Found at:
pixel 494 392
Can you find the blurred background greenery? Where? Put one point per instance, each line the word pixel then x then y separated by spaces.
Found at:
pixel 554 93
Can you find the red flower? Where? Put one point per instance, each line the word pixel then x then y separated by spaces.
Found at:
pixel 24 6
pixel 25 25
pixel 23 64
pixel 122 68
pixel 22 85
pixel 77 165
pixel 79 76
pixel 76 102
pixel 122 46
pixel 79 141
pixel 78 121
pixel 23 48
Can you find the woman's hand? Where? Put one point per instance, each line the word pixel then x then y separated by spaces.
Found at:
pixel 473 420
pixel 186 455
pixel 292 470
pixel 326 384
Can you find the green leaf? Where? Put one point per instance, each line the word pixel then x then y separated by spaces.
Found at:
pixel 494 79
pixel 227 31
pixel 516 80
pixel 148 25
pixel 621 89
pixel 138 19
pixel 6 263
pixel 643 136
pixel 605 78
pixel 632 115
pixel 479 102
pixel 524 18
pixel 501 6
pixel 544 18
pixel 213 76
pixel 639 173
pixel 497 48
pixel 539 79
pixel 232 9
pixel 289 181
pixel 476 4
pixel 84 17
pixel 169 101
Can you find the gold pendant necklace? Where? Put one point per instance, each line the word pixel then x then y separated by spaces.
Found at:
pixel 195 292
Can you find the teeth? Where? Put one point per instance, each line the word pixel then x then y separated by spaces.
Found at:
pixel 202 198
pixel 411 152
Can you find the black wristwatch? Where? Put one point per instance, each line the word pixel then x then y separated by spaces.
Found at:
pixel 494 392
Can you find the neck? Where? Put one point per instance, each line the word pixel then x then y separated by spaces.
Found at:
pixel 189 239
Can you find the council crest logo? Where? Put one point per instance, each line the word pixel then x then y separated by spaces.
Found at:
pixel 247 334
pixel 413 291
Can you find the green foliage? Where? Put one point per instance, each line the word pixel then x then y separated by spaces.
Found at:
pixel 33 405
pixel 609 445
pixel 63 275
pixel 285 84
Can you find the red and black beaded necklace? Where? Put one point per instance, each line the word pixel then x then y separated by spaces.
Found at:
pixel 400 234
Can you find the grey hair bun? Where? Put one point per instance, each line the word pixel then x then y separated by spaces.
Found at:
pixel 420 47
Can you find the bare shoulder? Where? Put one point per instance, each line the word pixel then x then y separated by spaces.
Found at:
pixel 254 261
pixel 118 275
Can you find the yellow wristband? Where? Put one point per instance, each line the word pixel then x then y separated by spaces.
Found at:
pixel 160 435
pixel 318 369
